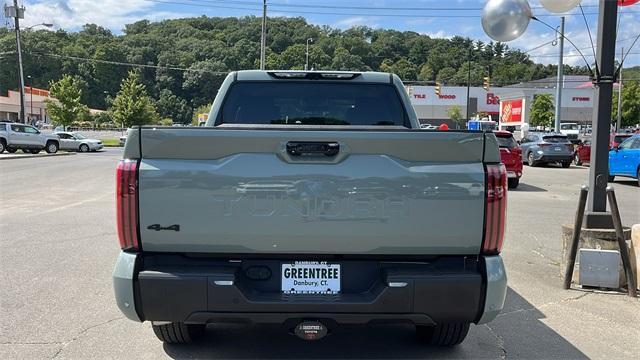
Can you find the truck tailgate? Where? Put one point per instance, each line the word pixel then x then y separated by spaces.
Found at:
pixel 248 191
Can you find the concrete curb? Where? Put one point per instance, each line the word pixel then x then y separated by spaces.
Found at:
pixel 27 156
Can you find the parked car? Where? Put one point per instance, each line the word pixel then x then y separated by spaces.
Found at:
pixel 428 127
pixel 582 153
pixel 511 157
pixel 616 139
pixel 571 130
pixel 123 138
pixel 77 141
pixel 16 136
pixel 333 228
pixel 624 160
pixel 543 148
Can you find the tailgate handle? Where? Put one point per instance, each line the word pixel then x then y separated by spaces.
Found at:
pixel 313 148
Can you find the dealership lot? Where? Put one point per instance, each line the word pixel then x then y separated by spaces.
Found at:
pixel 58 247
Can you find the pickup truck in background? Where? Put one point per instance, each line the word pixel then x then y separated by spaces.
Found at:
pixel 311 200
pixel 16 136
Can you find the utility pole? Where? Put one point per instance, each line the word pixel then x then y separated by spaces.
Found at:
pixel 468 81
pixel 31 101
pixel 619 119
pixel 596 216
pixel 560 79
pixel 263 40
pixel 17 14
pixel 306 64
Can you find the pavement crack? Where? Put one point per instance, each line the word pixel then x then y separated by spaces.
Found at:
pixel 82 332
pixel 545 305
pixel 500 341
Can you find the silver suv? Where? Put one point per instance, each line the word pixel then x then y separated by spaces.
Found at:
pixel 14 136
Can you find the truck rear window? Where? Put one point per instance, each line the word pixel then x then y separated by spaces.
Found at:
pixel 312 103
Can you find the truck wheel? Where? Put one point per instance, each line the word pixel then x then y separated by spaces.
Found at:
pixel 2 146
pixel 513 183
pixel 34 151
pixel 530 160
pixel 566 164
pixel 52 147
pixel 84 148
pixel 446 334
pixel 576 160
pixel 11 150
pixel 178 333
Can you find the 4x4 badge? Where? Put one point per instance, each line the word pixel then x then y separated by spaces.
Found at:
pixel 158 227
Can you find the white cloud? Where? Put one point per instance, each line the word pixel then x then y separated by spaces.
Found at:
pixel 72 14
pixel 438 34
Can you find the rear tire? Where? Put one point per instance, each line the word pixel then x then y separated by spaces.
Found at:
pixel 3 146
pixel 447 334
pixel 51 147
pixel 513 183
pixel 11 150
pixel 566 164
pixel 576 160
pixel 34 151
pixel 177 332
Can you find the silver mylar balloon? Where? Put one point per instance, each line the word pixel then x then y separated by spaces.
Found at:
pixel 505 20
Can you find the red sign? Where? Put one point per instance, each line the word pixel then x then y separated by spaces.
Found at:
pixel 581 98
pixel 492 99
pixel 511 111
pixel 447 97
pixel 420 96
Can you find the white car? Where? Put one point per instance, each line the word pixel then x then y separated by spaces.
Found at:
pixel 14 136
pixel 78 142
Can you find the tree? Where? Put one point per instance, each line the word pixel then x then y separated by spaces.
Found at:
pixel 66 107
pixel 132 105
pixel 541 113
pixel 630 104
pixel 455 115
pixel 173 107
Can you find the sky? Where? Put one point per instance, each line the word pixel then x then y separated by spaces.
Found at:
pixel 461 17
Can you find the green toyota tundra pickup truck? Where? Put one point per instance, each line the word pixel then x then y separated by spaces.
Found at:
pixel 311 200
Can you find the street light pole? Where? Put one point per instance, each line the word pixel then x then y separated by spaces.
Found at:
pixel 31 100
pixel 468 81
pixel 619 117
pixel 18 14
pixel 306 64
pixel 560 80
pixel 263 39
pixel 596 216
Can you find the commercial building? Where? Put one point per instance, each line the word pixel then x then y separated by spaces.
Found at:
pixel 510 105
pixel 35 107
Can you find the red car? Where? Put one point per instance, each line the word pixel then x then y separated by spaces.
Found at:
pixel 583 150
pixel 511 157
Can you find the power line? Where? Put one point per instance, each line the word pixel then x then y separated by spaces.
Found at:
pixel 195 3
pixel 78 58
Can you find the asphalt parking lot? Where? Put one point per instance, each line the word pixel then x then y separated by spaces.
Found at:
pixel 58 246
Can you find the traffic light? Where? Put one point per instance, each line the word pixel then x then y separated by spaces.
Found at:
pixel 438 88
pixel 485 84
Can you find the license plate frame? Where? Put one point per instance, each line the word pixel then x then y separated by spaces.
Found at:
pixel 319 278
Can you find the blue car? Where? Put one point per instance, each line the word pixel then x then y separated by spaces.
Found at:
pixel 625 159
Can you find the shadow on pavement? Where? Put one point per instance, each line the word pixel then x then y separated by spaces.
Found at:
pixel 631 182
pixel 518 333
pixel 529 188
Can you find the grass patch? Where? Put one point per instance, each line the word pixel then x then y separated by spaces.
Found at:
pixel 111 142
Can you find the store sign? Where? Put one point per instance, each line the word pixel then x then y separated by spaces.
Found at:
pixel 492 99
pixel 511 111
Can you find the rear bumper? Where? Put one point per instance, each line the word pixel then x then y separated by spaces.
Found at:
pixel 456 289
pixel 554 157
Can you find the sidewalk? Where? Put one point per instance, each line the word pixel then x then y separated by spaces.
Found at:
pixel 21 155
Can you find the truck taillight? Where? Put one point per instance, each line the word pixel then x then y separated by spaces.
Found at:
pixel 127 204
pixel 495 209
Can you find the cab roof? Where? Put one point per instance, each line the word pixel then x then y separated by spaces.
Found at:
pixel 313 75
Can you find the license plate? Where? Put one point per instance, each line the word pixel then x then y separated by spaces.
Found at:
pixel 310 277
pixel 557 148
